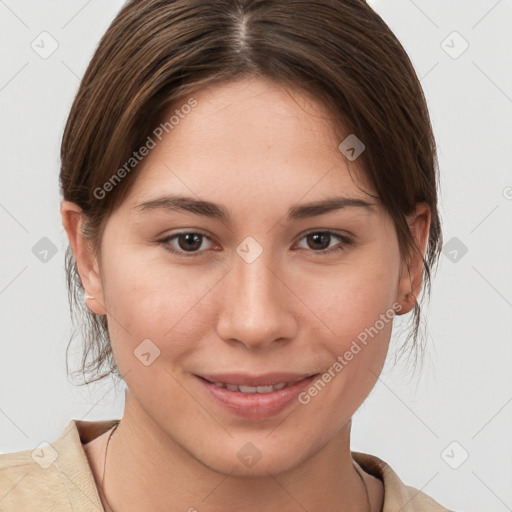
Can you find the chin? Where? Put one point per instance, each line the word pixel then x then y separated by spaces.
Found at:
pixel 245 458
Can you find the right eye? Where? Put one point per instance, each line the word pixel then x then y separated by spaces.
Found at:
pixel 185 243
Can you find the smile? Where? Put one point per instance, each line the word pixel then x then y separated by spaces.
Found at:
pixel 254 397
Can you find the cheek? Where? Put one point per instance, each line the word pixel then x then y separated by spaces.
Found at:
pixel 359 316
pixel 352 297
pixel 154 300
pixel 355 306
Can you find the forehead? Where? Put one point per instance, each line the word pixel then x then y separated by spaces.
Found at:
pixel 251 140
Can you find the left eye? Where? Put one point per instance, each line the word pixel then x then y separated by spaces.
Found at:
pixel 189 243
pixel 323 239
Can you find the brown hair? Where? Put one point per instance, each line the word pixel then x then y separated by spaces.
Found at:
pixel 158 51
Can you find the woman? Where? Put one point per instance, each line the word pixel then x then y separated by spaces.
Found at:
pixel 250 195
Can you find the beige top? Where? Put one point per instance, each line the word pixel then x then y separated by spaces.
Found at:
pixel 56 477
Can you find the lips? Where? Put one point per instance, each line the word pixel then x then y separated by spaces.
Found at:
pixel 256 396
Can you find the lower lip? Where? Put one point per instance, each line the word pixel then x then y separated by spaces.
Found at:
pixel 256 405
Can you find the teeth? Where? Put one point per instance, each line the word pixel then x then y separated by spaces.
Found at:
pixel 248 389
pixel 251 389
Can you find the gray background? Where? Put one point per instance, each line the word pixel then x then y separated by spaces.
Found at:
pixel 423 425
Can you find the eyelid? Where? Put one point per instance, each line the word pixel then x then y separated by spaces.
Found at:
pixel 342 233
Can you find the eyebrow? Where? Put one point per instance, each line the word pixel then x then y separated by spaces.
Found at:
pixel 216 211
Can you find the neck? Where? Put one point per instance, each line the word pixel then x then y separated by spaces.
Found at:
pixel 146 467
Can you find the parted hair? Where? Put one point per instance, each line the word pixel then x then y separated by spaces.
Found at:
pixel 158 51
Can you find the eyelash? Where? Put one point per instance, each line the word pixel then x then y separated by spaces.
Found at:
pixel 345 241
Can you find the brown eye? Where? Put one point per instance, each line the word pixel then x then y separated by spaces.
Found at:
pixel 321 242
pixel 188 243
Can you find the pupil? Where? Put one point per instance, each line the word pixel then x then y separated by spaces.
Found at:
pixel 320 237
pixel 193 241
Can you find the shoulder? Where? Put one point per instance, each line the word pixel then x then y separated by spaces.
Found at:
pixel 53 477
pixel 397 495
pixel 23 480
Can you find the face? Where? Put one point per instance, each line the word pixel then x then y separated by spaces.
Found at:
pixel 252 289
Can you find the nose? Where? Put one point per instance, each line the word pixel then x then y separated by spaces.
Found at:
pixel 257 310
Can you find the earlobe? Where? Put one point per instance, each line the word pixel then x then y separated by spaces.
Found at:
pixel 411 277
pixel 87 263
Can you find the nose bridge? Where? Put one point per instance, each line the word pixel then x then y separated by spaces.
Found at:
pixel 255 281
pixel 254 312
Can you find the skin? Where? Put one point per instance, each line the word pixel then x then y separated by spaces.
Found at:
pixel 257 151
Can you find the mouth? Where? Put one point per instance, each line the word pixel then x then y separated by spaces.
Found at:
pixel 258 396
pixel 252 389
pixel 264 383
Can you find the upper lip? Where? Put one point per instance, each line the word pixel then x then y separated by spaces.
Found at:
pixel 266 379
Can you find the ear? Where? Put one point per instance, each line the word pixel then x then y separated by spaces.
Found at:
pixel 73 220
pixel 411 274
